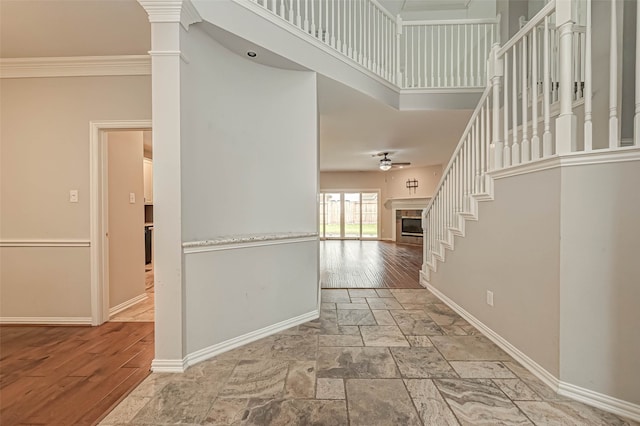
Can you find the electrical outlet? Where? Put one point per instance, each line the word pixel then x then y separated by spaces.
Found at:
pixel 132 198
pixel 489 298
pixel 73 196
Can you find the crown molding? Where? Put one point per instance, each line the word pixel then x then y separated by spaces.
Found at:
pixel 162 10
pixel 76 66
pixel 189 14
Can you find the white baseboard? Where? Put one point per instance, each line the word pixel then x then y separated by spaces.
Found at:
pixel 168 366
pixel 46 320
pixel 127 304
pixel 213 350
pixel 589 397
pixel 600 400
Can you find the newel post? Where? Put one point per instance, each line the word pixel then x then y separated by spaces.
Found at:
pixel 566 123
pixel 495 72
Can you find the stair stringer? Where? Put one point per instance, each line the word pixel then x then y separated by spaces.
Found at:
pixel 448 243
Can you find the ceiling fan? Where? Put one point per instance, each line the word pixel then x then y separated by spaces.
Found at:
pixel 386 163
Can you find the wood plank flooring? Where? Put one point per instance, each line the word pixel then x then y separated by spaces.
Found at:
pixel 70 375
pixel 369 264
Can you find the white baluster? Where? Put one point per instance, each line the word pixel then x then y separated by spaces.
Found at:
pixel 535 139
pixel 327 35
pixel 515 146
pixel 526 149
pixel 466 53
pixel 433 60
pixel 291 11
pixel 487 142
pixel 476 155
pixel 438 57
pixel 547 145
pixel 313 19
pixel 333 23
pixel 399 29
pixel 361 52
pixel 282 9
pixel 306 16
pixel 320 33
pixel 506 155
pixel 406 58
pixel 419 59
pixel 613 78
pixel 298 17
pixel 588 91
pixel 452 75
pixel 458 58
pixel 479 80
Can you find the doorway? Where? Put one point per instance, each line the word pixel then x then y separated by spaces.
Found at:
pixel 120 279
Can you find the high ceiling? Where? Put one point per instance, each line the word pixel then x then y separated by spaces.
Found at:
pixel 352 125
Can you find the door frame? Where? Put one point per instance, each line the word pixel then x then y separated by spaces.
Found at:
pixel 99 249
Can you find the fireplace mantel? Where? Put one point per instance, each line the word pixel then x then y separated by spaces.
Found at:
pixel 407 203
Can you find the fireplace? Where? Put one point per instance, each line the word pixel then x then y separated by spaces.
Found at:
pixel 411 226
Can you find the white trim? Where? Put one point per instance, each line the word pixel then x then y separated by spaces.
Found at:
pixel 213 350
pixel 189 14
pixel 245 241
pixel 75 66
pixel 45 243
pixel 602 156
pixel 46 320
pixel 99 295
pixel 168 365
pixel 535 368
pixel 127 304
pixel 599 400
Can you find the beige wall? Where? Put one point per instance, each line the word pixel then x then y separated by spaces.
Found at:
pixel 600 276
pixel 44 152
pixel 125 219
pixel 391 184
pixel 514 251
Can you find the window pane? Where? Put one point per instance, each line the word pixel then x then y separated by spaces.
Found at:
pixel 369 215
pixel 352 215
pixel 332 215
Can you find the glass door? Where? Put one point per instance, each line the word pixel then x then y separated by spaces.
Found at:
pixel 349 215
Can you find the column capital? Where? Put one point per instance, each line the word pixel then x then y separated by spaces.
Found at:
pixel 182 11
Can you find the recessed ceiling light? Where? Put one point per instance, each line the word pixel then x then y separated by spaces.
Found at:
pixel 252 54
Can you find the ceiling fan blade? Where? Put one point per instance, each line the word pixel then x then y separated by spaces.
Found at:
pixel 400 164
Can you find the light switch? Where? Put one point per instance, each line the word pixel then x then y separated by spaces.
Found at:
pixel 132 198
pixel 73 196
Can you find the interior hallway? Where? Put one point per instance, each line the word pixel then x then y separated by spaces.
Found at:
pixel 369 264
pixel 375 357
pixel 143 311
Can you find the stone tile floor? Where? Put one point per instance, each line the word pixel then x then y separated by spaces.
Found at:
pixel 375 357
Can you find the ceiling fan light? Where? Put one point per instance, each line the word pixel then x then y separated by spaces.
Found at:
pixel 385 164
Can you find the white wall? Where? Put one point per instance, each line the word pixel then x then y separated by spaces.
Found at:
pixel 44 144
pixel 600 276
pixel 391 184
pixel 512 250
pixel 249 160
pixel 125 219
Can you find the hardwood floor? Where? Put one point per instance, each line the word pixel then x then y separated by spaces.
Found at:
pixel 70 375
pixel 369 264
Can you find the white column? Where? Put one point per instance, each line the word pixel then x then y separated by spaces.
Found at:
pixel 566 123
pixel 165 65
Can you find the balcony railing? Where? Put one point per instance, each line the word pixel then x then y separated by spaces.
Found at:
pixel 409 54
